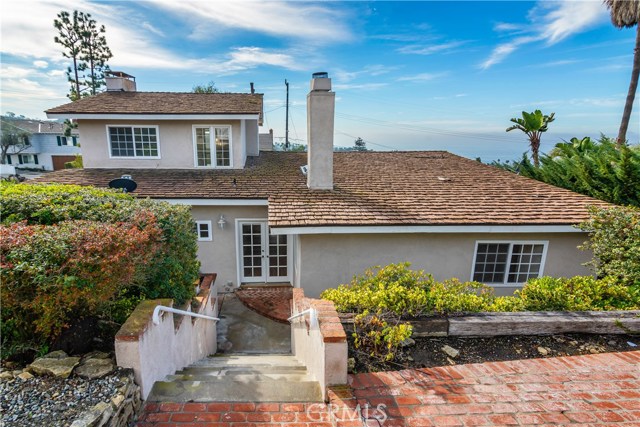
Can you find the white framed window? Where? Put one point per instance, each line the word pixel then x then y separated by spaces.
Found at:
pixel 126 141
pixel 212 146
pixel 508 262
pixel 204 231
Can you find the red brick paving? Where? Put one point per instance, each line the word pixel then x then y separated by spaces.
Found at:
pixel 272 302
pixel 591 390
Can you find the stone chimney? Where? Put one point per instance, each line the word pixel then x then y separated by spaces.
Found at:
pixel 321 103
pixel 117 81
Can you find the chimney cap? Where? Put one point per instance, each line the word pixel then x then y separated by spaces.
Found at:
pixel 320 75
pixel 119 74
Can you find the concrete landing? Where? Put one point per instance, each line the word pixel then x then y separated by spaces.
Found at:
pixel 249 378
pixel 242 330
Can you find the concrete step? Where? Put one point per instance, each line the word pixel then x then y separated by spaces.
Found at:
pixel 240 377
pixel 228 390
pixel 261 360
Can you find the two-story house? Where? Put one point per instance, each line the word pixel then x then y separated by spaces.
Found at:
pixel 316 219
pixel 49 148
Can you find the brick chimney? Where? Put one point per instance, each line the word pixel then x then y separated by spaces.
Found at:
pixel 321 103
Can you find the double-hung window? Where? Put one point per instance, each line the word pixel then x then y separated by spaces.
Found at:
pixel 508 263
pixel 134 141
pixel 212 145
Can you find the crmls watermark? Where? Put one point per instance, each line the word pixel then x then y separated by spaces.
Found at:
pixel 341 413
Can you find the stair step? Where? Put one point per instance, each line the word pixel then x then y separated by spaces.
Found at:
pixel 249 360
pixel 228 390
pixel 216 370
pixel 240 377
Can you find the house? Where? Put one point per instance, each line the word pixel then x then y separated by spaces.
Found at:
pixel 316 219
pixel 50 149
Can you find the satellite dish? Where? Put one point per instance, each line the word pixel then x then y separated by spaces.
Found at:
pixel 127 184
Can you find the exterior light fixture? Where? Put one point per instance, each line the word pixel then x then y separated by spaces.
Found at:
pixel 221 222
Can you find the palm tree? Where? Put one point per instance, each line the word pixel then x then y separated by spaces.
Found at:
pixel 533 124
pixel 626 14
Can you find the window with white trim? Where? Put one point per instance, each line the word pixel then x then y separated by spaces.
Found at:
pixel 204 231
pixel 67 141
pixel 28 159
pixel 134 141
pixel 508 263
pixel 212 145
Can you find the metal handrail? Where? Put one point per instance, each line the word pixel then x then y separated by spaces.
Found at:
pixel 159 308
pixel 313 316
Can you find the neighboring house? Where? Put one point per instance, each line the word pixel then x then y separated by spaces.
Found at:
pixel 49 149
pixel 316 219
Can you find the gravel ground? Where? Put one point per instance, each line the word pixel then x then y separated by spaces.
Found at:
pixel 427 352
pixel 51 402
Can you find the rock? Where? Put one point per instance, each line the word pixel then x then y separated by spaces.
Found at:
pixel 543 351
pixel 95 368
pixel 57 367
pixel 58 354
pixel 451 361
pixel 409 342
pixel 612 343
pixel 117 400
pixel 410 359
pixel 16 372
pixel 25 376
pixel 351 364
pixel 450 351
pixel 95 355
pixel 6 375
pixel 95 416
pixel 573 342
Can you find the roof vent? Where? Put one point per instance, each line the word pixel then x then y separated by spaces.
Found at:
pixel 304 169
pixel 443 179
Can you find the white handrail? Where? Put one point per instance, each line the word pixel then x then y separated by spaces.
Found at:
pixel 313 317
pixel 159 308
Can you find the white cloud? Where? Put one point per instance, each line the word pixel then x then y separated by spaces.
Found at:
pixel 149 27
pixel 430 49
pixel 249 57
pixel 422 77
pixel 550 22
pixel 295 19
pixel 40 64
pixel 368 71
pixel 363 86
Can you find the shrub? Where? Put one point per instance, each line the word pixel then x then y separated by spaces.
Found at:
pixel 394 288
pixel 169 275
pixel 376 337
pixel 453 296
pixel 614 238
pixel 53 275
pixel 580 293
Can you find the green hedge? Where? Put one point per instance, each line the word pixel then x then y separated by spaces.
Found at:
pixel 397 290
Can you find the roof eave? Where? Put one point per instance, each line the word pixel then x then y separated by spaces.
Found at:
pixel 152 116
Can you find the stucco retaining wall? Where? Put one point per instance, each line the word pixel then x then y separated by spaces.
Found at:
pixel 155 351
pixel 322 347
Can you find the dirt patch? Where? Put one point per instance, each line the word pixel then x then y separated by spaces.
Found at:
pixel 428 352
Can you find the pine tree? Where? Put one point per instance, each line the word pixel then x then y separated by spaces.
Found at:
pixel 95 52
pixel 69 36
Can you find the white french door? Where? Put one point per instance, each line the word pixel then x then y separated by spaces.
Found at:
pixel 262 257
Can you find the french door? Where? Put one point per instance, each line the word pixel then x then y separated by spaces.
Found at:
pixel 263 257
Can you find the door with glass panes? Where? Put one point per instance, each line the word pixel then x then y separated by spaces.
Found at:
pixel 263 257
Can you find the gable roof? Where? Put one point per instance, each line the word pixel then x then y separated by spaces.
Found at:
pixel 35 126
pixel 116 102
pixel 370 188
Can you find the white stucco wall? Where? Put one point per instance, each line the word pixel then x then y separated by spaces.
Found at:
pixel 175 140
pixel 326 261
pixel 219 255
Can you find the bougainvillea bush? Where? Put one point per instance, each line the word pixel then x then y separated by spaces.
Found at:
pixel 70 252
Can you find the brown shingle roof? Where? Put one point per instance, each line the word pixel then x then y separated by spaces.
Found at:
pixel 163 103
pixel 371 188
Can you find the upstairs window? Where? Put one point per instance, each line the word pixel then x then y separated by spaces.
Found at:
pixel 67 141
pixel 212 145
pixel 134 141
pixel 508 263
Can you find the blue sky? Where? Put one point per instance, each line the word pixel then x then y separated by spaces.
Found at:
pixel 407 75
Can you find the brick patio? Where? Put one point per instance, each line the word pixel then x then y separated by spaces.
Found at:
pixel 272 302
pixel 601 389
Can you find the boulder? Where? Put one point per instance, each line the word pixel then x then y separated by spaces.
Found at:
pixel 450 351
pixel 56 364
pixel 95 368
